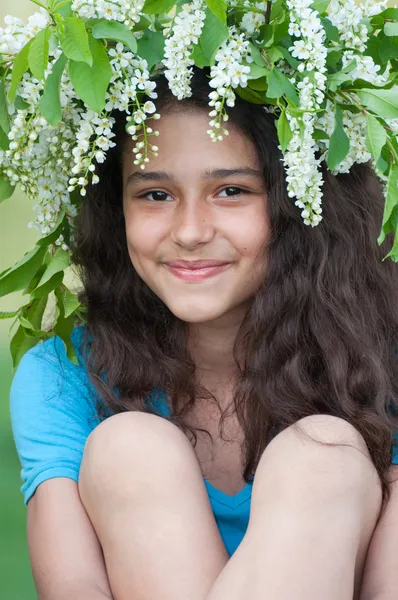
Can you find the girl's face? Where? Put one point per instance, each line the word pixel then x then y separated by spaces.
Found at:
pixel 196 219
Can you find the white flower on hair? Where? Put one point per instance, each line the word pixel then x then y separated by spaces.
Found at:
pixel 355 127
pixel 304 180
pixel 228 73
pixel 253 20
pixel 17 34
pixel 187 29
pixel 302 167
pixel 349 17
pixel 124 11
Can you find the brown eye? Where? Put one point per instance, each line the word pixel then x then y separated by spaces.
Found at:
pixel 157 196
pixel 232 191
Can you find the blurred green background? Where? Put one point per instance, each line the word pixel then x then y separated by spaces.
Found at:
pixel 15 238
pixel 16 581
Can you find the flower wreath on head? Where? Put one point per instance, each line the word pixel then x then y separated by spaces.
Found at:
pixel 326 68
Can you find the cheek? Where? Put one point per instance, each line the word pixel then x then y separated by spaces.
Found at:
pixel 143 236
pixel 251 235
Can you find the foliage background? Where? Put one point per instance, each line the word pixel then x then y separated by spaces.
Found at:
pixel 15 239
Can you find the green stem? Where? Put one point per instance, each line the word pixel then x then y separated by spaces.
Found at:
pixel 392 149
pixel 268 12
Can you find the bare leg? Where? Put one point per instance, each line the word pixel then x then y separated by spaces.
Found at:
pixel 142 487
pixel 314 509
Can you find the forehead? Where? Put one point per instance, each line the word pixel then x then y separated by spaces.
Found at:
pixel 185 146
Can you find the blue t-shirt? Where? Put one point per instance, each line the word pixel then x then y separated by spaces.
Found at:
pixel 53 411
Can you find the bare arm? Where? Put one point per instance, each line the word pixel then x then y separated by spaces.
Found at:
pixel 65 554
pixel 380 580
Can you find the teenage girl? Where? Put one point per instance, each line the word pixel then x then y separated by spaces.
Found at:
pixel 228 432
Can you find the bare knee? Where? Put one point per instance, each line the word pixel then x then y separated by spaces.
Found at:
pixel 127 448
pixel 324 450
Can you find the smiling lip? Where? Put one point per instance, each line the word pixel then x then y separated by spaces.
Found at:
pixel 196 270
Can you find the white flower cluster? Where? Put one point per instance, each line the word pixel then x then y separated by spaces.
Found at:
pixel 40 157
pixel 349 17
pixel 302 167
pixel 17 33
pixel 91 125
pixel 304 180
pixel 252 20
pixel 350 20
pixel 229 72
pixel 124 11
pixel 131 78
pixel 186 31
pixel 355 127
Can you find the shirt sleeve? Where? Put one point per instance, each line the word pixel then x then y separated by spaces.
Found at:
pixel 53 411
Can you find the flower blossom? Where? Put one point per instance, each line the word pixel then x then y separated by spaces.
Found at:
pixel 124 11
pixel 228 73
pixel 302 167
pixel 187 29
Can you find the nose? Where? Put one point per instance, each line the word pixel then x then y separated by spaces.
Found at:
pixel 193 224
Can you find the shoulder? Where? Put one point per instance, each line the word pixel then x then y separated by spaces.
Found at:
pixel 46 377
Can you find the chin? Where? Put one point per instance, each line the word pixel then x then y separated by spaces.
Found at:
pixel 196 314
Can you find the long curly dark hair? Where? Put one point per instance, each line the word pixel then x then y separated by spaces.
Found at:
pixel 322 331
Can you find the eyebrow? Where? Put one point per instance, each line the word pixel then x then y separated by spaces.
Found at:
pixel 140 176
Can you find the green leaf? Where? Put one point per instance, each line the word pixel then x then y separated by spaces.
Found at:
pixel 376 136
pixel 4 141
pixel 219 9
pixel 279 85
pixel 391 29
pixel 75 41
pixel 32 315
pixel 389 13
pixel 91 83
pixel 257 56
pixel 113 30
pixel 259 85
pixel 20 104
pixel 50 102
pixel 38 53
pixel 391 201
pixel 71 302
pixel 6 189
pixel 214 33
pixel 257 72
pixel 63 8
pixel 151 47
pixel 8 315
pixel 59 262
pixel 20 344
pixel 285 134
pixel 52 284
pixel 64 327
pixel 382 102
pixel 18 277
pixel 388 49
pixel 199 58
pixel 339 142
pixel 4 118
pixel 337 79
pixel 250 95
pixel 20 66
pixel 152 7
pixel 320 5
pixel 331 30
